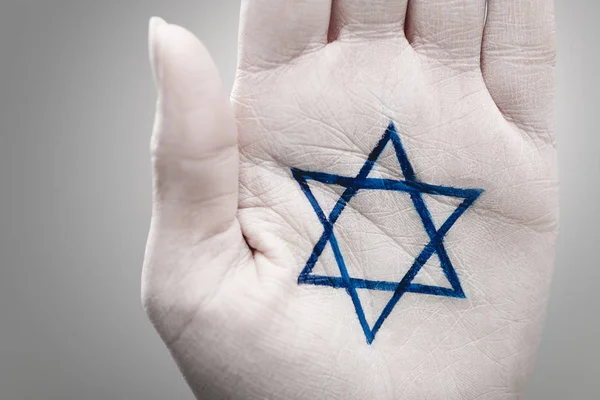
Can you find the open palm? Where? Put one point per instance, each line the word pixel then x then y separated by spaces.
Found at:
pixel 372 215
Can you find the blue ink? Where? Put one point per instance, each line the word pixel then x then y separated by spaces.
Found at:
pixel 415 189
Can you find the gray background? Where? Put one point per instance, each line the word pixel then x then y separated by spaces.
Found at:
pixel 76 109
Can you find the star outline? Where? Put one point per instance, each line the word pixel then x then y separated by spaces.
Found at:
pixel 411 185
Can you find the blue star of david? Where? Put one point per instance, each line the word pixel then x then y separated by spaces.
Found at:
pixel 414 188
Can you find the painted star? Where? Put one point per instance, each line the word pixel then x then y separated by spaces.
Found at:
pixel 412 187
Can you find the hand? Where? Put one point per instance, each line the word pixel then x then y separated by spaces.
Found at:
pixel 372 215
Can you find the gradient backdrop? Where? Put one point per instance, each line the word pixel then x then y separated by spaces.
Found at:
pixel 76 109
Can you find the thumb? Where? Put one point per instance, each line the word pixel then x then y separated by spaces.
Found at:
pixel 194 232
pixel 194 143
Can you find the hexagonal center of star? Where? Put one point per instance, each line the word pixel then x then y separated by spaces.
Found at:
pixel 380 235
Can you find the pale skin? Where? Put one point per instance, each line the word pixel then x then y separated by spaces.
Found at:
pixel 318 82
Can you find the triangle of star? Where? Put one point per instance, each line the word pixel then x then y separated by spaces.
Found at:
pixel 415 189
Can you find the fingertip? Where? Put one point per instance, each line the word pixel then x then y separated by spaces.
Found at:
pixel 154 27
pixel 180 46
pixel 188 75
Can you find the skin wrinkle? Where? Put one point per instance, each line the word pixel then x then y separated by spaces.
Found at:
pixel 454 69
pixel 185 160
pixel 275 67
pixel 281 215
